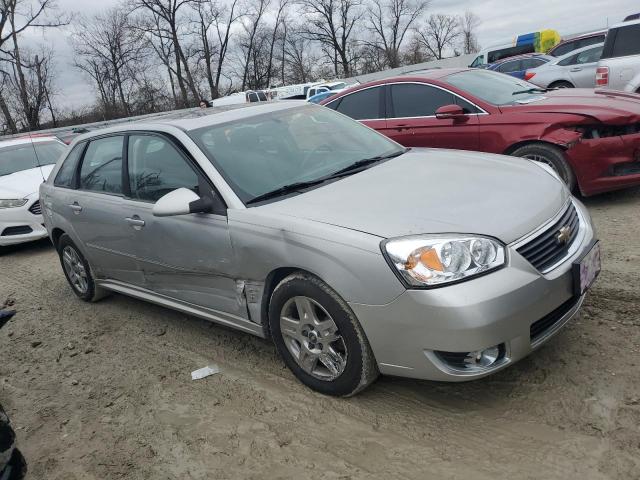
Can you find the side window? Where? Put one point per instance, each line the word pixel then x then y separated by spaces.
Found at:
pixel 101 169
pixel 414 100
pixel 509 67
pixel 565 48
pixel 65 175
pixel 362 105
pixel 590 56
pixel 531 63
pixel 569 61
pixel 627 41
pixel 466 106
pixel 156 168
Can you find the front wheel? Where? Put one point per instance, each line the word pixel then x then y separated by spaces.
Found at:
pixel 319 338
pixel 551 156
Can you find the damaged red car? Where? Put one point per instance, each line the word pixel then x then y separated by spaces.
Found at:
pixel 590 138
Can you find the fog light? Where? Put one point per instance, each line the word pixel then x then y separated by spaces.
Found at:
pixel 483 358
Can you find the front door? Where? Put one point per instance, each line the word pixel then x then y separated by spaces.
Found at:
pixel 186 257
pixel 411 119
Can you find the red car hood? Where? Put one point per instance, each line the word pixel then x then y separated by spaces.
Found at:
pixel 606 106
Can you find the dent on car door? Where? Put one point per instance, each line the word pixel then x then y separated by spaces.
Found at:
pixel 95 211
pixel 186 257
pixel 412 120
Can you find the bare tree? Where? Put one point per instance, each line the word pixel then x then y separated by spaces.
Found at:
pixel 280 14
pixel 107 47
pixel 389 21
pixel 299 61
pixel 251 24
pixel 439 34
pixel 17 17
pixel 331 23
pixel 167 13
pixel 468 24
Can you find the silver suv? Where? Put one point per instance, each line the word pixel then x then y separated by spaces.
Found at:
pixel 354 254
pixel 619 66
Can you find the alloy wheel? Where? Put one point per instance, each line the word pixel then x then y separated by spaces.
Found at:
pixel 546 161
pixel 312 338
pixel 75 270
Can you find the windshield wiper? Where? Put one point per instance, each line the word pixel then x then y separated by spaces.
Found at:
pixel 531 90
pixel 361 164
pixel 292 187
pixel 349 170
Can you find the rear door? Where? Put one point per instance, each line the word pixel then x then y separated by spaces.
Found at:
pixel 366 106
pixel 185 257
pixel 582 68
pixel 412 122
pixel 96 211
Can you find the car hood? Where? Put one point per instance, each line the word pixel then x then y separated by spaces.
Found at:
pixel 24 183
pixel 607 106
pixel 435 191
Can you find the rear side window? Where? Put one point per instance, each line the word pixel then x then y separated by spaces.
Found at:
pixel 65 176
pixel 531 63
pixel 590 56
pixel 414 100
pixel 101 169
pixel 622 42
pixel 509 67
pixel 156 168
pixel 362 105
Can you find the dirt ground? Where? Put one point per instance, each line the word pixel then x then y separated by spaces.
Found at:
pixel 103 391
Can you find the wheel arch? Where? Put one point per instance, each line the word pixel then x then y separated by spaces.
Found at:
pixel 271 282
pixel 56 233
pixel 516 146
pixel 557 82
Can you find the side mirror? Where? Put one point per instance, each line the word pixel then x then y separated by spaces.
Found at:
pixel 449 111
pixel 181 202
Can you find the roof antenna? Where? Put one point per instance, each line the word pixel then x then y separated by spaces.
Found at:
pixel 35 152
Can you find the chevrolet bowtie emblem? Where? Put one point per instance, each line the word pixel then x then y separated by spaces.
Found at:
pixel 564 235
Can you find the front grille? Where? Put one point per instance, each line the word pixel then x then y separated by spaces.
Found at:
pixel 21 230
pixel 36 208
pixel 553 244
pixel 539 328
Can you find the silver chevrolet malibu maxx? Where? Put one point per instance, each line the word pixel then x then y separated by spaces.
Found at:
pixel 355 255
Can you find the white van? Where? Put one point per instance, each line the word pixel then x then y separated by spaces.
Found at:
pixel 498 52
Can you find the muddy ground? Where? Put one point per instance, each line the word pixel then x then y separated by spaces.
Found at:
pixel 103 391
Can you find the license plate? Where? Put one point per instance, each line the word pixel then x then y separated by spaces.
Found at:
pixel 586 270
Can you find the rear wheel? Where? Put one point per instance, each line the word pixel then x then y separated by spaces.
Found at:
pixel 77 270
pixel 562 84
pixel 551 156
pixel 319 338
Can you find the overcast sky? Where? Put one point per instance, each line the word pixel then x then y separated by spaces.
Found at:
pixel 501 21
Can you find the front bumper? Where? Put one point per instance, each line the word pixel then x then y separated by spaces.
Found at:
pixel 496 309
pixel 19 225
pixel 606 164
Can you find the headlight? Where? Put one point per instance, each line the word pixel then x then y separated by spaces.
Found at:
pixel 12 202
pixel 426 261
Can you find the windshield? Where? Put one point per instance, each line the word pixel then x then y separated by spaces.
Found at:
pixel 260 154
pixel 495 88
pixel 17 158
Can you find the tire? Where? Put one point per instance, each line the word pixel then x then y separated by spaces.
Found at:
pixel 84 288
pixel 344 365
pixel 552 156
pixel 562 84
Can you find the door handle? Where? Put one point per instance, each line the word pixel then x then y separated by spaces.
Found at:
pixel 576 69
pixel 402 126
pixel 135 222
pixel 75 207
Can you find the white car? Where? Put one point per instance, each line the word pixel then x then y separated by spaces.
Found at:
pixel 24 164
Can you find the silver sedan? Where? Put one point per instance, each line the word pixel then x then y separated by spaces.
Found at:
pixel 576 69
pixel 357 256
